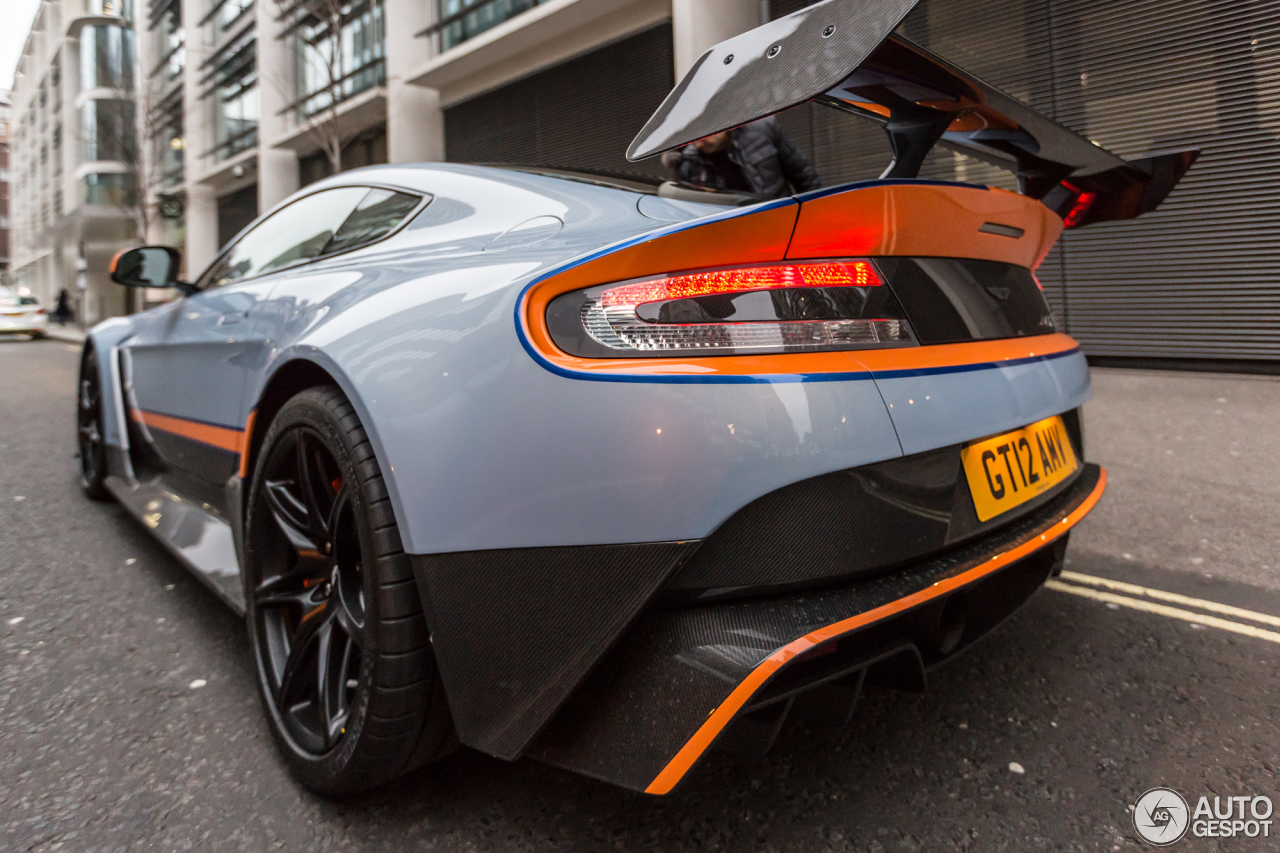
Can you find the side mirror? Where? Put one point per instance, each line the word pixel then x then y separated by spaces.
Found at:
pixel 149 266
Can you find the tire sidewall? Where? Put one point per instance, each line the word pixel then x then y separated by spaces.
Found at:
pixel 321 772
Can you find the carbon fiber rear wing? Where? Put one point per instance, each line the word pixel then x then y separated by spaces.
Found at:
pixel 844 53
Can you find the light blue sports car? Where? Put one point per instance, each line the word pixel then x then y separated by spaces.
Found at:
pixel 608 473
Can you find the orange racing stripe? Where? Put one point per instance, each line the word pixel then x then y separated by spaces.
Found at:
pixel 232 440
pixel 244 445
pixel 723 715
pixel 855 361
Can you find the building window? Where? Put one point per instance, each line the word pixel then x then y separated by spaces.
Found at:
pixel 460 20
pixel 106 58
pixel 367 149
pixel 235 98
pixel 170 143
pixel 107 131
pixel 338 55
pixel 227 13
pixel 123 8
pixel 170 41
pixel 114 189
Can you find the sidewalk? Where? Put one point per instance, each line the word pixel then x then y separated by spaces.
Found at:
pixel 1192 460
pixel 70 334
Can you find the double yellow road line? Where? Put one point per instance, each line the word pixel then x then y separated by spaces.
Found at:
pixel 1147 600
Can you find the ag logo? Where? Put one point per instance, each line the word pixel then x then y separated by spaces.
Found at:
pixel 1161 816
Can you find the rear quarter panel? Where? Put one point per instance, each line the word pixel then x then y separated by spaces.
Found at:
pixel 485 448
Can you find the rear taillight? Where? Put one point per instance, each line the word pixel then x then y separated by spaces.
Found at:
pixel 41 311
pixel 1080 208
pixel 807 307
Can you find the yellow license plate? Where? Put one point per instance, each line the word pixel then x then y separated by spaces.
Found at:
pixel 1013 468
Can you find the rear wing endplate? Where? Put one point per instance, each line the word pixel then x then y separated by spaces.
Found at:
pixel 844 53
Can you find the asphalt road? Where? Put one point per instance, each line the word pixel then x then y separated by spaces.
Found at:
pixel 106 744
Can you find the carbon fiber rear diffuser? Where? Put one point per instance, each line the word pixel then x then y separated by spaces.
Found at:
pixel 685 679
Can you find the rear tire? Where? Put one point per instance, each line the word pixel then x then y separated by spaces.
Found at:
pixel 345 667
pixel 89 428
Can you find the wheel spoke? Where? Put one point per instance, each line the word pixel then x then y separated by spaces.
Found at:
pixel 291 516
pixel 324 671
pixel 347 670
pixel 300 645
pixel 350 660
pixel 351 623
pixel 297 587
pixel 311 478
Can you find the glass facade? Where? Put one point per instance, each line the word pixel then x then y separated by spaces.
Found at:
pixel 109 189
pixel 229 12
pixel 170 143
pixel 235 98
pixel 107 131
pixel 460 20
pixel 170 43
pixel 337 67
pixel 106 58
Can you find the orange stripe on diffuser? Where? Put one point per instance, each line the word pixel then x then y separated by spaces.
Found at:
pixel 216 436
pixel 723 715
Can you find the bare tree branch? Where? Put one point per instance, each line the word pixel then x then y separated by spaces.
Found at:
pixel 316 28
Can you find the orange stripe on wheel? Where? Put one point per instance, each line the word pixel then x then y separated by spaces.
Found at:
pixel 723 715
pixel 223 437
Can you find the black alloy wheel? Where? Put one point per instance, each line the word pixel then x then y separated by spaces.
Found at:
pixel 89 428
pixel 311 613
pixel 344 659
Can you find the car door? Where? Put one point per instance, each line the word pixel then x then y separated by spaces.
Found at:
pixel 188 365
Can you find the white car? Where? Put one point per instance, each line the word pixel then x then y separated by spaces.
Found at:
pixel 22 314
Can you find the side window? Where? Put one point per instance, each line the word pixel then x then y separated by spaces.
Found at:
pixel 380 213
pixel 295 233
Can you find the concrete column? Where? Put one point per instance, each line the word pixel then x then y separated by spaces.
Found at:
pixel 277 167
pixel 701 24
pixel 415 122
pixel 202 228
pixel 200 206
pixel 146 94
pixel 69 83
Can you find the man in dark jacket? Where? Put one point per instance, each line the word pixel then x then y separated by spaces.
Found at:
pixel 756 158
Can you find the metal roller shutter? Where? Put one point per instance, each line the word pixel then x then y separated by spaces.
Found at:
pixel 1197 279
pixel 582 113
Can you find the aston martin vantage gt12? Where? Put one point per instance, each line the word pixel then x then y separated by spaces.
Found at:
pixel 609 474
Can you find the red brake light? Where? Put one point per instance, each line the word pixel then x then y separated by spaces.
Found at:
pixel 41 311
pixel 1084 201
pixel 689 285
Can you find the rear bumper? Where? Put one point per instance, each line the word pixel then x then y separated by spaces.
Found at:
pixel 684 680
pixel 23 326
